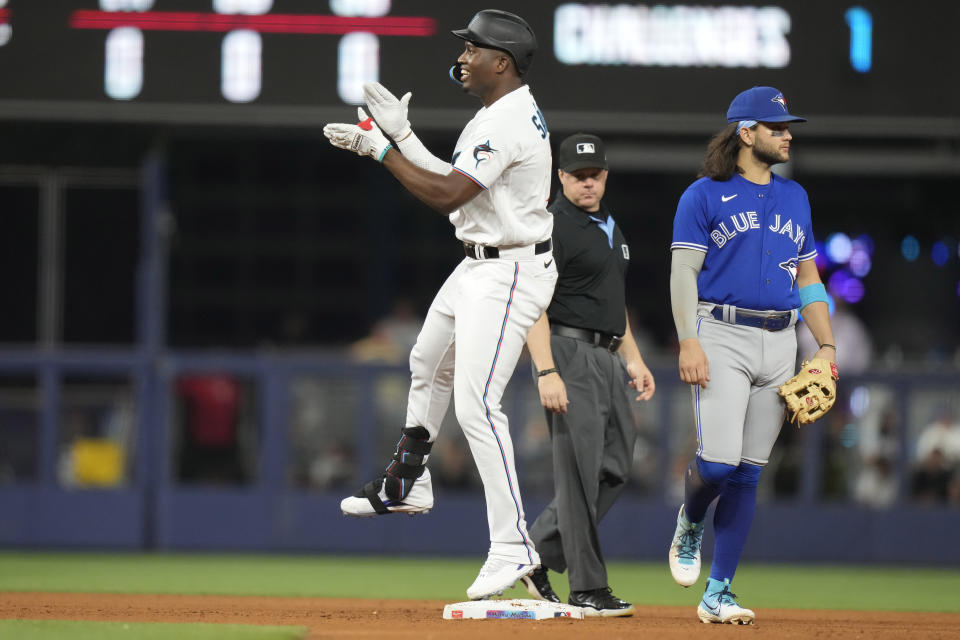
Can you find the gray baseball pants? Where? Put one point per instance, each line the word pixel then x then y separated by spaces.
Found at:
pixel 592 453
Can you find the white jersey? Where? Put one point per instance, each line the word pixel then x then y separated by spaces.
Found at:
pixel 506 150
pixel 477 326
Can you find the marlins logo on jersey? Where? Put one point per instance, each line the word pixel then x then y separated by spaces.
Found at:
pixel 482 152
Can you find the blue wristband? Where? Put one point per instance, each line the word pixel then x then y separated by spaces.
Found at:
pixel 813 293
pixel 384 152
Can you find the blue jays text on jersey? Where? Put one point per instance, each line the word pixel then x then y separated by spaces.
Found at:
pixel 753 235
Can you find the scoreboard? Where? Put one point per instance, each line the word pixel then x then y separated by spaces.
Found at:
pixel 239 59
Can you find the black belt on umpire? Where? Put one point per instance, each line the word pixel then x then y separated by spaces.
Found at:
pixel 603 340
pixel 481 252
pixel 766 320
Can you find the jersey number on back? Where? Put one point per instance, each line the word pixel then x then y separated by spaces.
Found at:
pixel 539 122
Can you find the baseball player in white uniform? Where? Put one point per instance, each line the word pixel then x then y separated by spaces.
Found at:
pixel 495 193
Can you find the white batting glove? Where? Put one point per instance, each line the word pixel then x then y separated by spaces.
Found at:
pixel 390 113
pixel 363 138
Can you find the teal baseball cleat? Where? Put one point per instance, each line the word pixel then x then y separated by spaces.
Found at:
pixel 719 605
pixel 685 551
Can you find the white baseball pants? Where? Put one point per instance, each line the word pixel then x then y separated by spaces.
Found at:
pixel 469 345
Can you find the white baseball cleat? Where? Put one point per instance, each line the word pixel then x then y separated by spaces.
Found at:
pixel 685 551
pixel 496 576
pixel 719 606
pixel 419 500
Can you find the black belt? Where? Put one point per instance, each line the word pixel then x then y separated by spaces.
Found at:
pixel 772 322
pixel 603 340
pixel 479 251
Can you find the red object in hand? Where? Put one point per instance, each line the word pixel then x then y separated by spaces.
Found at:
pixel 366 125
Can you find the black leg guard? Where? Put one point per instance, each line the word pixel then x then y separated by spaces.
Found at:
pixel 408 463
pixel 370 491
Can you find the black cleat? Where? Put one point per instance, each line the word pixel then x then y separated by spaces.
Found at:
pixel 600 603
pixel 538 585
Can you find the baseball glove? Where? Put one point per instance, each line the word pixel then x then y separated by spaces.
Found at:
pixel 812 392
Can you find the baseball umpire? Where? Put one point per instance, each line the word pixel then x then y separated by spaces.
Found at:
pixel 494 193
pixel 583 381
pixel 742 269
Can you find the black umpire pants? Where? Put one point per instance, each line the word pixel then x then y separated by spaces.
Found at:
pixel 592 453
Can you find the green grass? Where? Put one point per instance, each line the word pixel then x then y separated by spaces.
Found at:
pixel 807 587
pixel 48 629
pixel 766 586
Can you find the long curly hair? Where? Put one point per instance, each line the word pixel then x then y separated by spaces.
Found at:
pixel 720 162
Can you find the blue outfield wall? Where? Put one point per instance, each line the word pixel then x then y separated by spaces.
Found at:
pixel 256 520
pixel 54 517
pixel 156 512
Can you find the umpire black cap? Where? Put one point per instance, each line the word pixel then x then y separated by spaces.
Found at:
pixel 581 151
pixel 495 29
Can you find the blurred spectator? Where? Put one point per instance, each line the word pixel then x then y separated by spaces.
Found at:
pixel 18 433
pixel 452 466
pixel 838 457
pixel 333 467
pixel 854 345
pixel 785 466
pixel 378 346
pixel 683 441
pixel 877 482
pixel 96 431
pixel 880 437
pixel 323 456
pixel 534 454
pixel 645 464
pixel 324 412
pixel 876 485
pixel 403 324
pixel 653 350
pixel 209 444
pixel 76 424
pixel 953 491
pixel 937 458
pixel 389 343
pixel 943 434
pixel 392 337
pixel 932 479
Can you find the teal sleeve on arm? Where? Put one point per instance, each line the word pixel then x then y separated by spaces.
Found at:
pixel 813 293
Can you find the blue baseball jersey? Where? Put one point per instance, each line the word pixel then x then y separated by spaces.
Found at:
pixel 753 236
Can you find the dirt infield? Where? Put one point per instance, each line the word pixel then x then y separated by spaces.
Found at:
pixel 327 618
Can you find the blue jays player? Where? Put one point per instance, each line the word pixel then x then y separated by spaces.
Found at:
pixel 495 193
pixel 742 268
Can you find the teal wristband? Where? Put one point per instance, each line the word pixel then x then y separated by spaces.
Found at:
pixel 384 152
pixel 813 293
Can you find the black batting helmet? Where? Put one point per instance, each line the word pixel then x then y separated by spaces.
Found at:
pixel 505 31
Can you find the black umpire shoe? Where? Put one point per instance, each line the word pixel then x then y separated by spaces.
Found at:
pixel 538 585
pixel 601 603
